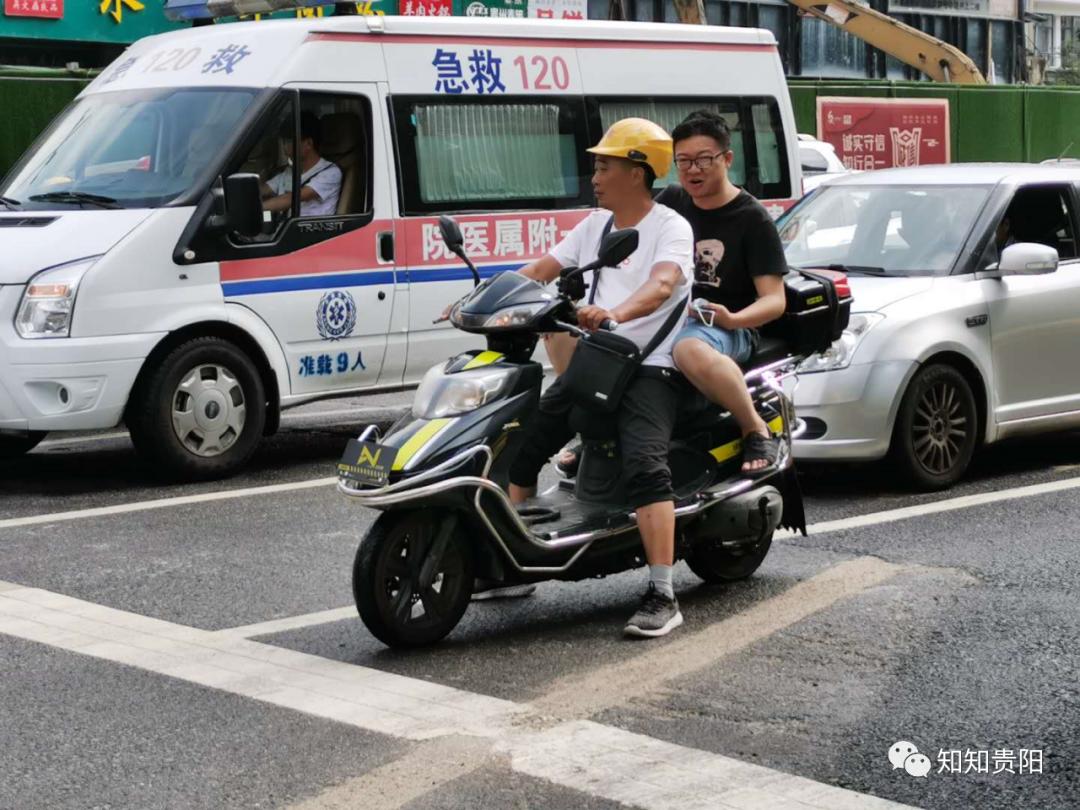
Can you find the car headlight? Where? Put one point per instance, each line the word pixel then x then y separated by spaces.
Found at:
pixel 442 394
pixel 840 353
pixel 46 305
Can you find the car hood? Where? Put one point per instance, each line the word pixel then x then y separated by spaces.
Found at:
pixel 31 241
pixel 872 294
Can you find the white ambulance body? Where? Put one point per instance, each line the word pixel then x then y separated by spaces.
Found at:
pixel 129 290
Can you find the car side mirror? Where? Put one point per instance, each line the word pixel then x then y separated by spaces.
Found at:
pixel 617 247
pixel 238 206
pixel 1026 259
pixel 451 234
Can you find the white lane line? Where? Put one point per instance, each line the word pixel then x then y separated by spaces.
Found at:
pixel 97 437
pixel 162 503
pixel 587 693
pixel 290 623
pixel 388 409
pixel 599 760
pixel 936 507
pixel 288 416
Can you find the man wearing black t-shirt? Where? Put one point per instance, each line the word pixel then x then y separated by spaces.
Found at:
pixel 739 268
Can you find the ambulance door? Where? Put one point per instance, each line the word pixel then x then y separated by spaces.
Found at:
pixel 321 274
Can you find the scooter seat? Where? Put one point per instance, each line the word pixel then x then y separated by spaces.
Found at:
pixel 769 350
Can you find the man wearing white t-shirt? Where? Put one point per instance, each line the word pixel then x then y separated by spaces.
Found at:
pixel 639 295
pixel 320 180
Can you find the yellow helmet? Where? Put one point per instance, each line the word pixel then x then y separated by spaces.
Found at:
pixel 639 140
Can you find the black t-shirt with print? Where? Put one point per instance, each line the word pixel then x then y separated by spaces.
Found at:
pixel 732 244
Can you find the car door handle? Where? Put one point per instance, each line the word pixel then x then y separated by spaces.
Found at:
pixel 386 247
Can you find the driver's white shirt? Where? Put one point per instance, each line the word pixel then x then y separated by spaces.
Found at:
pixel 663 236
pixel 324 177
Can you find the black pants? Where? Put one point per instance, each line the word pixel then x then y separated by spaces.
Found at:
pixel 646 419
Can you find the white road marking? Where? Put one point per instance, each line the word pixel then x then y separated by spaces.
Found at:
pixel 162 503
pixel 290 623
pixel 582 755
pixel 854 522
pixel 936 507
pixel 288 416
pixel 587 693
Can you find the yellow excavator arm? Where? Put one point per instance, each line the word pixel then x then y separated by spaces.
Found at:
pixel 939 60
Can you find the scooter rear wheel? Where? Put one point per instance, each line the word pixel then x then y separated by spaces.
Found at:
pixel 413 577
pixel 716 564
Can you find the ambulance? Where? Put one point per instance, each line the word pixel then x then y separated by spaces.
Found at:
pixel 146 279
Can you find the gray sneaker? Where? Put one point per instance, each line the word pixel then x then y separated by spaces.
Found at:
pixel 486 589
pixel 657 616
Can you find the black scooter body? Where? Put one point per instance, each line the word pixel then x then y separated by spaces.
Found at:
pixel 449 521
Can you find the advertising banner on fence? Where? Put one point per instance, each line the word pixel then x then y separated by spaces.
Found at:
pixel 559 9
pixel 880 133
pixel 494 8
pixel 45 9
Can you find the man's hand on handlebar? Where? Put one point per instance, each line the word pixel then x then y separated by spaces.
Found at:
pixel 592 318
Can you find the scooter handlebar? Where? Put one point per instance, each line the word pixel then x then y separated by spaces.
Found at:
pixel 608 324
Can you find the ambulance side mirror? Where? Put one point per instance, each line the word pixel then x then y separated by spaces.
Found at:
pixel 243 204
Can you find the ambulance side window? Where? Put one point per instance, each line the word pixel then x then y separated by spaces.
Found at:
pixel 757 135
pixel 491 154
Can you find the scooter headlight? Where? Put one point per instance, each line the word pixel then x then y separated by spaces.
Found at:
pixel 442 394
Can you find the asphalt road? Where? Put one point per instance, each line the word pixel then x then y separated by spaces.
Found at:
pixel 126 683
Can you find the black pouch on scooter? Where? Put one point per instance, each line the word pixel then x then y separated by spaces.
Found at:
pixel 604 363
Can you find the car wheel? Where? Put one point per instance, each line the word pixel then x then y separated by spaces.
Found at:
pixel 201 412
pixel 936 428
pixel 13 446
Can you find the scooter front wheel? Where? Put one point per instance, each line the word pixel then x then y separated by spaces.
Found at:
pixel 716 563
pixel 413 577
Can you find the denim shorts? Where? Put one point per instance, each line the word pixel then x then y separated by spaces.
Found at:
pixel 738 344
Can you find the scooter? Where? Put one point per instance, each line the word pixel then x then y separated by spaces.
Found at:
pixel 440 474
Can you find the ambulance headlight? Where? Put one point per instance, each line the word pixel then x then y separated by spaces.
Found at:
pixel 442 394
pixel 49 299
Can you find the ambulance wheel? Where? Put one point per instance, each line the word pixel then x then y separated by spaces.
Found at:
pixel 413 577
pixel 12 446
pixel 201 412
pixel 716 563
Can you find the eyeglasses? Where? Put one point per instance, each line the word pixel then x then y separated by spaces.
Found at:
pixel 701 161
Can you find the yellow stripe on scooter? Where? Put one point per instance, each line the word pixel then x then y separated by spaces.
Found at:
pixel 733 448
pixel 483 359
pixel 417 441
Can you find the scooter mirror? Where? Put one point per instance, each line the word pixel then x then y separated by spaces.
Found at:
pixel 616 247
pixel 451 233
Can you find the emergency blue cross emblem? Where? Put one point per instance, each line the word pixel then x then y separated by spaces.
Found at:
pixel 335 316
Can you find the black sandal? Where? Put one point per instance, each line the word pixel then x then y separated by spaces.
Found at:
pixel 759 448
pixel 570 468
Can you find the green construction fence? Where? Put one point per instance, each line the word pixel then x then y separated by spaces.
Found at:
pixel 989 123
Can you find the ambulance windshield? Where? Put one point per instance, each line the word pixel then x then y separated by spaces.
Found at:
pixel 130 149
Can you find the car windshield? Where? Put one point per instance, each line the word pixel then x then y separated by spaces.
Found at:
pixel 883 230
pixel 134 149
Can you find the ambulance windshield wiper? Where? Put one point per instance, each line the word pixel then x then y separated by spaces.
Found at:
pixel 10 204
pixel 76 198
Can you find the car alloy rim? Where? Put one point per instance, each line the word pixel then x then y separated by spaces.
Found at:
pixel 209 410
pixel 940 428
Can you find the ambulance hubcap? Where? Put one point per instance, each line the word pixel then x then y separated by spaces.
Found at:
pixel 208 410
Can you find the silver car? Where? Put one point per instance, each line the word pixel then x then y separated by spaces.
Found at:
pixel 965 327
